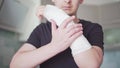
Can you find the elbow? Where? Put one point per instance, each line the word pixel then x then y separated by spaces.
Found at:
pixel 16 63
pixel 12 65
pixel 91 65
pixel 19 64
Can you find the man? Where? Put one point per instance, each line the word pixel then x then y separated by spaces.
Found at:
pixel 49 46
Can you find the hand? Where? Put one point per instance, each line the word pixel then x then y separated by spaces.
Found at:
pixel 63 36
pixel 40 11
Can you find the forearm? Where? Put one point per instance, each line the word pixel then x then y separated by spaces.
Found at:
pixel 30 59
pixel 91 58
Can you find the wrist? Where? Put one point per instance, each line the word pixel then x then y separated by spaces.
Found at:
pixel 81 44
pixel 55 47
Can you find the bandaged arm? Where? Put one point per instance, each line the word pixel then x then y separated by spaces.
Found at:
pixel 85 55
pixel 80 44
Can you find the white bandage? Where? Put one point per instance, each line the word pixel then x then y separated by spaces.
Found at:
pixel 52 12
pixel 80 44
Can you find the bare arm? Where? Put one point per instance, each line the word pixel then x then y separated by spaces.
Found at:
pixel 91 58
pixel 29 57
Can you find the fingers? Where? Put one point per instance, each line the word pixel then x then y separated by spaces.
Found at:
pixel 67 21
pixel 73 27
pixel 75 36
pixel 39 12
pixel 74 31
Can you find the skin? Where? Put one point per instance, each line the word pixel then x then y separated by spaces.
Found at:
pixel 91 58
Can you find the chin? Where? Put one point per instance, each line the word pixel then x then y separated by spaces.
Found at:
pixel 69 12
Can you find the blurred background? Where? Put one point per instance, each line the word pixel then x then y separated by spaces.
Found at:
pixel 18 19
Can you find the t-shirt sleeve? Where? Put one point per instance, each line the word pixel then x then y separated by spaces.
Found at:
pixel 96 36
pixel 34 38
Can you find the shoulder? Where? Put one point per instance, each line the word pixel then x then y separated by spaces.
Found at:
pixel 93 32
pixel 89 26
pixel 39 34
pixel 42 26
pixel 40 29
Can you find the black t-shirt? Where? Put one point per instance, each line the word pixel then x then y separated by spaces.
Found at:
pixel 42 36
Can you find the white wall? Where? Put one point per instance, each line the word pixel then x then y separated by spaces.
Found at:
pixel 0 1
pixel 12 14
pixel 19 16
pixel 110 15
pixel 30 22
pixel 107 15
pixel 88 12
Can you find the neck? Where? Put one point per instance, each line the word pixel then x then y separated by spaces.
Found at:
pixel 76 20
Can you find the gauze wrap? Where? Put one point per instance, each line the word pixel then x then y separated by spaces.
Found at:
pixel 81 44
